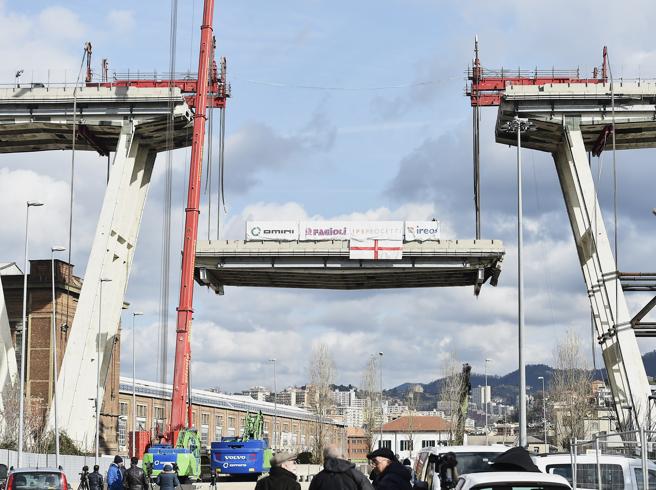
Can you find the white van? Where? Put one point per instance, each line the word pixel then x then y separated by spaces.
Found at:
pixel 471 459
pixel 617 472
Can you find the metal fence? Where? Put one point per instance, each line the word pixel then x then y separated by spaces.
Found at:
pixel 640 445
pixel 72 465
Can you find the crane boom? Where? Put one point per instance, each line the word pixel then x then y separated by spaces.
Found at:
pixel 180 398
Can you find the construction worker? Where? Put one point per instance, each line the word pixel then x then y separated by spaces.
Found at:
pixel 135 477
pixel 282 475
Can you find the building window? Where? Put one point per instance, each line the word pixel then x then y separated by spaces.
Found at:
pixel 406 445
pixel 205 429
pixel 385 443
pixel 141 417
pixel 231 427
pixel 428 443
pixel 158 419
pixel 123 408
pixel 122 430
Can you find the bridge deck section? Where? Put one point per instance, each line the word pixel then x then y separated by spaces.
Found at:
pixel 326 265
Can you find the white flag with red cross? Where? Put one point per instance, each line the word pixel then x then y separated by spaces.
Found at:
pixel 376 249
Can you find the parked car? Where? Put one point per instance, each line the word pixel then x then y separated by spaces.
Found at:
pixel 511 480
pixel 617 472
pixel 470 459
pixel 37 478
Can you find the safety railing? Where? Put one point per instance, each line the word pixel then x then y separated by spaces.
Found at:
pixel 592 469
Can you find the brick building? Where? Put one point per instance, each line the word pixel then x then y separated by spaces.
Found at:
pixel 38 362
pixel 358 444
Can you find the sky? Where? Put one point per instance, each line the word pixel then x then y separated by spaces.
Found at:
pixel 342 110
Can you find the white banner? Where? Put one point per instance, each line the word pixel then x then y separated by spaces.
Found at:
pixel 272 230
pixel 325 230
pixel 376 249
pixel 377 230
pixel 418 231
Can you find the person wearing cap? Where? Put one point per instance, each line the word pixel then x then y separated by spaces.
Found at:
pixel 135 477
pixel 115 475
pixel 389 473
pixel 167 479
pixel 282 475
pixel 338 474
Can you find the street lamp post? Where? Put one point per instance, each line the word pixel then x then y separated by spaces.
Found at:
pixel 485 402
pixel 134 391
pixel 275 403
pixel 54 349
pixel 519 126
pixel 544 413
pixel 98 402
pixel 382 410
pixel 21 402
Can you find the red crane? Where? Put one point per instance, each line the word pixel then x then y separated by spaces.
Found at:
pixel 209 89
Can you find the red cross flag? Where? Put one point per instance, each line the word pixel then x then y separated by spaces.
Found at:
pixel 376 249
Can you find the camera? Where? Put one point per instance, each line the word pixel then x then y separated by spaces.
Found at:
pixel 446 464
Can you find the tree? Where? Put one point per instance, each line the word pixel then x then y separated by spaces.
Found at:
pixel 322 374
pixel 450 390
pixel 369 391
pixel 412 396
pixel 570 394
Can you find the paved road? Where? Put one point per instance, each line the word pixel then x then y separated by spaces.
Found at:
pixel 238 486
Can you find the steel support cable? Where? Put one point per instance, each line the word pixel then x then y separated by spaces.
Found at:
pixel 222 127
pixel 168 191
pixel 547 279
pixel 208 175
pixel 72 184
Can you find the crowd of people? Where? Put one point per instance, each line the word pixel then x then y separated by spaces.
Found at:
pixel 388 473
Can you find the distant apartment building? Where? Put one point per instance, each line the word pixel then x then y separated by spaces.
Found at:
pixel 259 393
pixel 343 398
pixel 357 444
pixel 293 396
pixel 482 395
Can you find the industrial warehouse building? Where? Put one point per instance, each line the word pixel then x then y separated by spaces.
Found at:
pixel 217 415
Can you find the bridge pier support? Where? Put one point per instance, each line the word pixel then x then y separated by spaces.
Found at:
pixel 111 257
pixel 626 372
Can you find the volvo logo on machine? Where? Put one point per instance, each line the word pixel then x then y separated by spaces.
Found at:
pixel 227 456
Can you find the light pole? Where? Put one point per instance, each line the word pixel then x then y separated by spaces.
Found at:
pixel 98 402
pixel 485 401
pixel 21 401
pixel 275 403
pixel 544 413
pixel 382 410
pixel 134 391
pixel 54 349
pixel 519 126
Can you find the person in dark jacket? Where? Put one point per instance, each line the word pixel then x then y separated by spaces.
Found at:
pixel 95 479
pixel 339 474
pixel 390 474
pixel 167 479
pixel 135 477
pixel 282 475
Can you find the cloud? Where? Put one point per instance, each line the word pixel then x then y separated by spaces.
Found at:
pixel 122 21
pixel 256 150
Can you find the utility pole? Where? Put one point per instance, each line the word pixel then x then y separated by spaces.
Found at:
pixel 275 404
pixel 382 410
